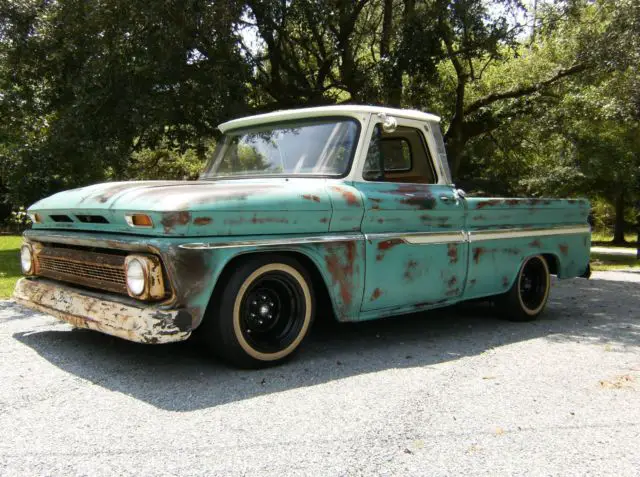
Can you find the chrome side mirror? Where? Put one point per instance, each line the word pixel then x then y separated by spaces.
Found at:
pixel 389 123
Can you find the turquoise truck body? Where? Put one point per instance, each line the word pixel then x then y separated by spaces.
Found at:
pixel 376 248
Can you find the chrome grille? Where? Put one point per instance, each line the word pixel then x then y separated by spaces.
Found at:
pixel 96 270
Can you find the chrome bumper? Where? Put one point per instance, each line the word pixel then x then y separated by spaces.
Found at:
pixel 145 324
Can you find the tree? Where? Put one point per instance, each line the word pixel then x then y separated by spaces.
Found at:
pixel 86 83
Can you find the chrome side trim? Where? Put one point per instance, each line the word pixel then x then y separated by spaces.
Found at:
pixel 417 238
pixel 274 242
pixel 421 238
pixel 478 235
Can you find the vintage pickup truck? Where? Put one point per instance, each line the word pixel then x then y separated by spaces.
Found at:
pixel 343 211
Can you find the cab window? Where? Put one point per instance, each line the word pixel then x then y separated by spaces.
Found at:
pixel 399 156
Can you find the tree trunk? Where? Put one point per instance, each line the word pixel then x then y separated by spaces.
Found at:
pixel 618 231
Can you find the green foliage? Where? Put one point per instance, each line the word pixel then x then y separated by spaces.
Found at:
pixel 163 163
pixel 86 83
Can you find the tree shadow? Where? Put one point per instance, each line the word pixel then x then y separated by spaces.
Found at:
pixel 181 377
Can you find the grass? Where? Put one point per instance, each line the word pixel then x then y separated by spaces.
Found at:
pixel 605 262
pixel 605 238
pixel 9 264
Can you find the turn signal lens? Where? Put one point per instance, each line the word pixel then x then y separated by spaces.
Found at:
pixel 139 220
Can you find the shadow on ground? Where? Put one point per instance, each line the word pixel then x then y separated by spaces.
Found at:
pixel 182 377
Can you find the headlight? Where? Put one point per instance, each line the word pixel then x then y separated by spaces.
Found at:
pixel 144 277
pixel 136 279
pixel 26 260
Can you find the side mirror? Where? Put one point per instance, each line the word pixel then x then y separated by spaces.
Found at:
pixel 389 123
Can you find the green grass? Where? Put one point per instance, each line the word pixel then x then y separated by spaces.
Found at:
pixel 605 262
pixel 9 264
pixel 605 238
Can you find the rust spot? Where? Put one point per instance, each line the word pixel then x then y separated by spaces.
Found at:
pixel 479 217
pixel 477 253
pixel 420 202
pixel 512 202
pixel 381 220
pixel 349 197
pixel 202 220
pixel 505 281
pixel 453 292
pixel 386 245
pixel 512 251
pixel 408 189
pixel 377 293
pixel 488 203
pixel 452 281
pixel 376 204
pixel 564 248
pixel 535 244
pixel 428 219
pixel 452 252
pixel 313 198
pixel 410 269
pixel 428 303
pixel 340 261
pixel 472 282
pixel 171 219
pixel 257 220
pixel 189 272
pixel 269 220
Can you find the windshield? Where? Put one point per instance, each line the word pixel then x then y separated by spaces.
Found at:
pixel 321 147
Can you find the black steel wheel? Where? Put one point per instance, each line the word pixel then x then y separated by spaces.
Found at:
pixel 265 311
pixel 529 293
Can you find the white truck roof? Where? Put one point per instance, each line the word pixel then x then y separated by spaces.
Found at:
pixel 348 110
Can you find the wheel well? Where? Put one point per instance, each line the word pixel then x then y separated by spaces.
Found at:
pixel 552 262
pixel 317 282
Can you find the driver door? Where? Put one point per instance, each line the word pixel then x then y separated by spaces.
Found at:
pixel 416 254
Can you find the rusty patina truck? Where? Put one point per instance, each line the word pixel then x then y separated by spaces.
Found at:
pixel 344 211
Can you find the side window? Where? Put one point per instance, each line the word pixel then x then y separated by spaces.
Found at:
pixel 399 156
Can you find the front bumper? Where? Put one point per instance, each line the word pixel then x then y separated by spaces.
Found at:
pixel 83 309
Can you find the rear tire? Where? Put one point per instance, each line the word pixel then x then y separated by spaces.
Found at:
pixel 263 313
pixel 529 294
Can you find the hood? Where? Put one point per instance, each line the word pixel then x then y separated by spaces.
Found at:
pixel 229 207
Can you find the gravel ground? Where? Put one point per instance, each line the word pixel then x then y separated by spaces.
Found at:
pixel 453 392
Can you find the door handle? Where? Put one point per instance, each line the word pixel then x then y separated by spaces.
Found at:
pixel 445 198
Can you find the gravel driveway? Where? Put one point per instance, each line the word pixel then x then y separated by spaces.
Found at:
pixel 453 392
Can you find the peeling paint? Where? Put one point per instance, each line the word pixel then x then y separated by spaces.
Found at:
pixel 202 220
pixel 311 197
pixel 340 261
pixel 350 197
pixel 171 219
pixel 377 293
pixel 452 252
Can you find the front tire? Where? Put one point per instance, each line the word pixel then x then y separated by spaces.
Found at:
pixel 263 314
pixel 529 294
